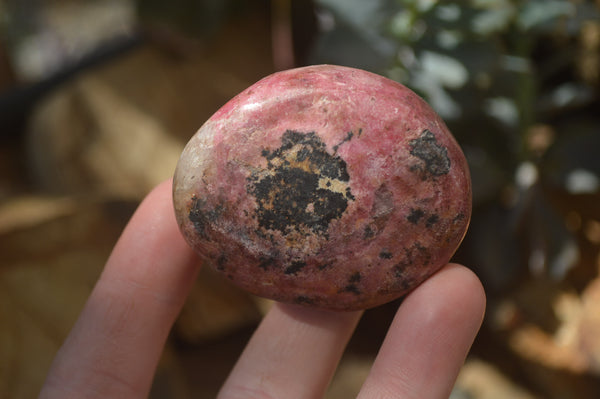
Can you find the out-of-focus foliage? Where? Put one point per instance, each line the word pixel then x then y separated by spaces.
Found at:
pixel 514 80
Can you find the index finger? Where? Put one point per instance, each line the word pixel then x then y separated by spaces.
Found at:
pixel 117 341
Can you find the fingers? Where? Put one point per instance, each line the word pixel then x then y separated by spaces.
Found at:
pixel 293 354
pixel 429 338
pixel 115 345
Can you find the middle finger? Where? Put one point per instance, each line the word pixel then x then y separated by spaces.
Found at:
pixel 292 354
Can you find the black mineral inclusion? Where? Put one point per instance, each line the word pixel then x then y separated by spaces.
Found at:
pixel 434 155
pixel 295 192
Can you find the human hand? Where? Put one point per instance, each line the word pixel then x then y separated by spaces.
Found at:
pixel 114 347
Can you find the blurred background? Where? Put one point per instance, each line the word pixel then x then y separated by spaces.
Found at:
pixel 98 98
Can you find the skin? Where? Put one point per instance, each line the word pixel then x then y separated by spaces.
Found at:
pixel 115 345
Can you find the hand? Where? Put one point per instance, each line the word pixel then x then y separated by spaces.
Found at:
pixel 114 347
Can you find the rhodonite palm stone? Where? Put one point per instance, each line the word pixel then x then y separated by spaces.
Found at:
pixel 324 186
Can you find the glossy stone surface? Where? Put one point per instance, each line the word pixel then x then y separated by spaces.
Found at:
pixel 324 186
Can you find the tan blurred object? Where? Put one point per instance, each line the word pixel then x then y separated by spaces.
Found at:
pixel 215 307
pixel 589 54
pixel 28 212
pixel 53 250
pixel 120 130
pixel 110 147
pixel 536 345
pixel 481 380
pixel 589 326
pixel 572 346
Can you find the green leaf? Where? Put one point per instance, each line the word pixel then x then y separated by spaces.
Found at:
pixel 536 13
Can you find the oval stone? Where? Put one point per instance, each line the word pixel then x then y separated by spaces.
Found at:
pixel 324 186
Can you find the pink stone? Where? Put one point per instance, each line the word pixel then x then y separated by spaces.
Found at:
pixel 324 186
